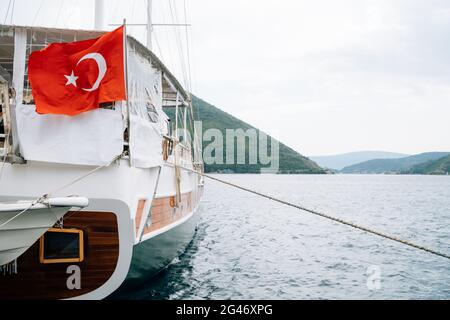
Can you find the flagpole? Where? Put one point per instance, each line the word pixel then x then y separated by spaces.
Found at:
pixel 125 56
pixel 125 62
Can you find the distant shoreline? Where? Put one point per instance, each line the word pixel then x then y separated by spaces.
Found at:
pixel 336 173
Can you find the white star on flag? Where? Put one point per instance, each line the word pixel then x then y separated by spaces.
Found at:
pixel 72 79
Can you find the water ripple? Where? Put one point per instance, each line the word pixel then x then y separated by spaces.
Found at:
pixel 251 248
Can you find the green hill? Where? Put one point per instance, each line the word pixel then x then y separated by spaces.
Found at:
pixel 400 165
pixel 439 166
pixel 212 117
pixel 340 161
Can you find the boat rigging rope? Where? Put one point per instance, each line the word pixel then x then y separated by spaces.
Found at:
pixel 86 174
pixel 35 202
pixel 45 196
pixel 7 12
pixel 324 215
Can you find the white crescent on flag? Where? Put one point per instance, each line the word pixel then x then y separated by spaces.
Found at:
pixel 101 63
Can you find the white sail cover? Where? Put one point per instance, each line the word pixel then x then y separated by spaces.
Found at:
pixel 90 138
pixel 146 115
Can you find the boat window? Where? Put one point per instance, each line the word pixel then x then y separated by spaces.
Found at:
pixel 151 110
pixel 61 246
pixel 108 105
pixel 141 103
pixel 6 54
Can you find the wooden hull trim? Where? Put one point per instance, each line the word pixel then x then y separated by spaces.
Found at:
pixel 132 260
pixel 126 240
pixel 35 279
pixel 156 252
pixel 166 228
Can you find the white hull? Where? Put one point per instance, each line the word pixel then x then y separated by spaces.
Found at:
pixel 117 189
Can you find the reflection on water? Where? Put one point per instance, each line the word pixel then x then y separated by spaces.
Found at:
pixel 251 248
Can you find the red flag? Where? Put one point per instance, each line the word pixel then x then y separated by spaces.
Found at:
pixel 74 77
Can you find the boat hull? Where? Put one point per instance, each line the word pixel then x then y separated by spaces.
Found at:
pixel 31 279
pixel 154 254
pixel 130 231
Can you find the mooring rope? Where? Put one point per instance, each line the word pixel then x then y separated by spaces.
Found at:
pixel 324 215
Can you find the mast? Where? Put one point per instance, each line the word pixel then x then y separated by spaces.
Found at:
pixel 99 15
pixel 149 25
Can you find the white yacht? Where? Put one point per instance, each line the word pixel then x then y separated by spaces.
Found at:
pixel 92 205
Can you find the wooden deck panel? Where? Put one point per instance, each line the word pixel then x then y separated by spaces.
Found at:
pixel 48 281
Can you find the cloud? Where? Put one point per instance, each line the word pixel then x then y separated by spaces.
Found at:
pixel 326 76
pixel 332 76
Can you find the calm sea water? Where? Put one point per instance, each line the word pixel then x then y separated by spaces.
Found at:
pixel 251 248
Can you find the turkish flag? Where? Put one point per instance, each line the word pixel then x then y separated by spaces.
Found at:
pixel 74 77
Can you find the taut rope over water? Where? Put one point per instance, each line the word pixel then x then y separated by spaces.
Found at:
pixel 326 216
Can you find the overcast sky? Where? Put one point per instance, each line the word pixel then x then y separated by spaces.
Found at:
pixel 323 76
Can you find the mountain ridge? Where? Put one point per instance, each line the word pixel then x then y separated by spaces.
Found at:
pixel 342 160
pixel 212 117
pixel 435 167
pixel 397 165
